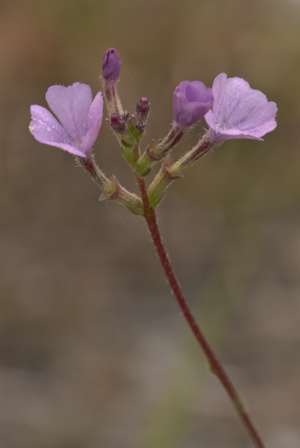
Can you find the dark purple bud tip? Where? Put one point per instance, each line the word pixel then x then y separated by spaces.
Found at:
pixel 140 127
pixel 142 109
pixel 125 116
pixel 111 65
pixel 117 124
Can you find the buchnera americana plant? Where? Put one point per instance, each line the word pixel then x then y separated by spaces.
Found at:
pixel 231 109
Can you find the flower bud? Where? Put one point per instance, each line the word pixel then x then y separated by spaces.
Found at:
pixel 142 110
pixel 111 71
pixel 192 100
pixel 111 65
pixel 136 128
pixel 117 124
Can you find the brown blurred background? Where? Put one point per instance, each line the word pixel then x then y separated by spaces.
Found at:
pixel 93 349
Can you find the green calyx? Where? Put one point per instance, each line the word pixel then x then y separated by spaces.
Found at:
pixel 129 200
pixel 145 163
pixel 161 182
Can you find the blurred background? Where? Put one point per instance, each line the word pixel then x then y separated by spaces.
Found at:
pixel 93 349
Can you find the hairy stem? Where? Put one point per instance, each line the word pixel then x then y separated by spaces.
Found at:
pixel 91 168
pixel 215 365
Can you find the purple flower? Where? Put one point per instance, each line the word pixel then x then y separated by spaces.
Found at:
pixel 79 115
pixel 192 100
pixel 111 65
pixel 239 111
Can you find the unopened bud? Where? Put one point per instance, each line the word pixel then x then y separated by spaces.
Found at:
pixel 125 115
pixel 137 128
pixel 111 70
pixel 111 65
pixel 142 110
pixel 117 124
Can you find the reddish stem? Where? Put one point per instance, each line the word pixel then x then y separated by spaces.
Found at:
pixel 216 367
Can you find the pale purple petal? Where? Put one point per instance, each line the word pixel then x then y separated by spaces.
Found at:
pixel 197 92
pixel 261 119
pixel 182 87
pixel 46 129
pixel 239 111
pixel 80 119
pixel 199 111
pixel 238 102
pixel 233 134
pixel 191 102
pixel 95 112
pixel 181 109
pixel 68 148
pixel 218 89
pixel 210 119
pixel 71 105
pixel 93 124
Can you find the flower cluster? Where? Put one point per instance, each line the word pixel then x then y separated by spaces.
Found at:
pixel 231 109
